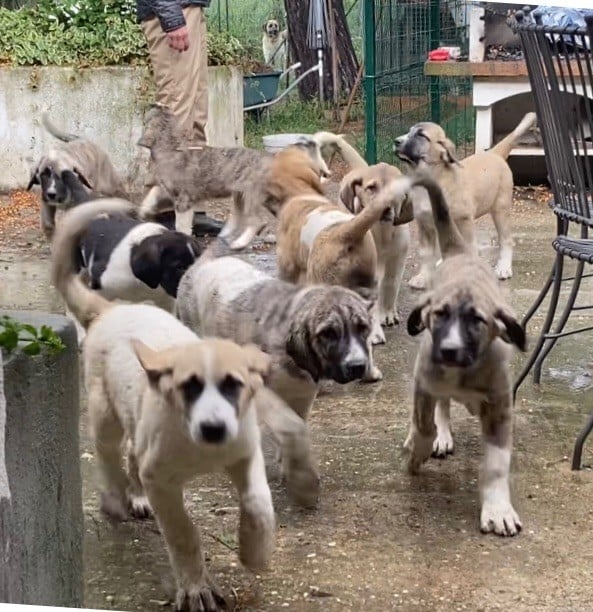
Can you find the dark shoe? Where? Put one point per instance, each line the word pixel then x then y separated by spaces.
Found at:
pixel 205 226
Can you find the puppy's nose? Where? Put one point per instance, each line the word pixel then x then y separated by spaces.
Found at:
pixel 356 370
pixel 51 195
pixel 453 356
pixel 213 433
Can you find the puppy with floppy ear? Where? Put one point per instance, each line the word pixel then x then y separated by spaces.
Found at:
pixel 391 234
pixel 481 183
pixel 467 334
pixel 184 406
pixel 274 45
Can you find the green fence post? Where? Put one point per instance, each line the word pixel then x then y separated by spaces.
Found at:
pixel 369 82
pixel 435 39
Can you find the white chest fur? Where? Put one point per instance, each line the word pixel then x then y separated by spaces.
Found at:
pixel 318 220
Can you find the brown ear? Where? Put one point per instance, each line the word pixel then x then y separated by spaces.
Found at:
pixel 510 330
pixel 350 183
pixel 449 154
pixel 418 318
pixel 154 363
pixel 257 360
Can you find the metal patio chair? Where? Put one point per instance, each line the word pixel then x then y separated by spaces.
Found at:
pixel 560 67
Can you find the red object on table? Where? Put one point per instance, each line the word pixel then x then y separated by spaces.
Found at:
pixel 438 55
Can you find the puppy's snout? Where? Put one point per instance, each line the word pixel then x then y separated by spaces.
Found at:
pixel 51 195
pixel 213 433
pixel 354 371
pixel 452 356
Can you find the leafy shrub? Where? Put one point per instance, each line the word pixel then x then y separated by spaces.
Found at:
pixel 12 333
pixel 88 33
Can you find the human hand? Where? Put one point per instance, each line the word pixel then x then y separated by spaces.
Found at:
pixel 179 39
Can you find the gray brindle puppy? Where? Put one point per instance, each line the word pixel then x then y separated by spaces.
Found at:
pixel 190 175
pixel 313 333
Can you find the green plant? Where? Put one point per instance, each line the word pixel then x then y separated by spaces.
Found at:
pixel 14 332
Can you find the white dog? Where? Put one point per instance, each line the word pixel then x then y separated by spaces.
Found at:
pixel 274 43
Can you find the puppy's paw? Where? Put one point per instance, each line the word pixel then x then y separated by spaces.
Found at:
pixel 419 282
pixel 419 449
pixel 115 505
pixel 140 507
pixel 389 318
pixel 443 444
pixel 373 375
pixel 257 535
pixel 500 517
pixel 503 271
pixel 303 483
pixel 377 336
pixel 201 597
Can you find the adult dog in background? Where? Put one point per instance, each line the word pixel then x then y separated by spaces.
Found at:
pixel 84 158
pixel 184 406
pixel 464 355
pixel 479 184
pixel 275 45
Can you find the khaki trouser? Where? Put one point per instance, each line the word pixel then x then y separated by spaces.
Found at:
pixel 182 77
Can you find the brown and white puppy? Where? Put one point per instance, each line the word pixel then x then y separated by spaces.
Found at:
pixel 312 333
pixel 464 355
pixel 184 406
pixel 85 159
pixel 319 243
pixel 274 45
pixel 391 235
pixel 481 183
pixel 190 175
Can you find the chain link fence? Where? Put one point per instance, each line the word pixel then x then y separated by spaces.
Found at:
pixel 398 36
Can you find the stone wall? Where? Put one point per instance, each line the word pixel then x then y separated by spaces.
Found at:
pixel 102 104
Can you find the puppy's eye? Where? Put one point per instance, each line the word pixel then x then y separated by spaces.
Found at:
pixel 362 329
pixel 192 389
pixel 230 388
pixel 372 188
pixel 328 333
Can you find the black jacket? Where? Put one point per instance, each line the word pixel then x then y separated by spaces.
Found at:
pixel 169 12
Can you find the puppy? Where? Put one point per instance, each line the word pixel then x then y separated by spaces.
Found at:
pixel 274 43
pixel 191 175
pixel 480 184
pixel 85 159
pixel 464 355
pixel 312 333
pixel 391 236
pixel 317 242
pixel 184 406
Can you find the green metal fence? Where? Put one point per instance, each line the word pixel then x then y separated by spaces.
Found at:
pixel 398 36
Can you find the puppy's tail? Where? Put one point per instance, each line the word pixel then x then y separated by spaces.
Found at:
pixel 340 145
pixel 84 303
pixel 55 131
pixel 216 249
pixel 450 240
pixel 505 146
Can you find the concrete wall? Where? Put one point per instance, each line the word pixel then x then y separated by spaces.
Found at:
pixel 41 522
pixel 103 104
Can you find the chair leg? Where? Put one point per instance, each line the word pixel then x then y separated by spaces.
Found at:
pixel 578 446
pixel 558 267
pixel 550 342
pixel 540 298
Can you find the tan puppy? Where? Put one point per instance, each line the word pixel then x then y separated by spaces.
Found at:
pixel 185 406
pixel 480 184
pixel 274 45
pixel 318 243
pixel 391 235
pixel 464 355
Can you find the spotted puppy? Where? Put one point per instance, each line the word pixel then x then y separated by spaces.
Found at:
pixel 184 406
pixel 465 350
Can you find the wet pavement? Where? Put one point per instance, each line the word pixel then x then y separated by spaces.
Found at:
pixel 380 539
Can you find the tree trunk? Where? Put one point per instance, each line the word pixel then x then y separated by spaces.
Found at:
pixel 297 14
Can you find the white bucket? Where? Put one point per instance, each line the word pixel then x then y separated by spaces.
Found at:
pixel 276 142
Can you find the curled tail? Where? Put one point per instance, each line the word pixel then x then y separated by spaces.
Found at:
pixel 56 132
pixel 84 303
pixel 450 240
pixel 505 146
pixel 338 144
